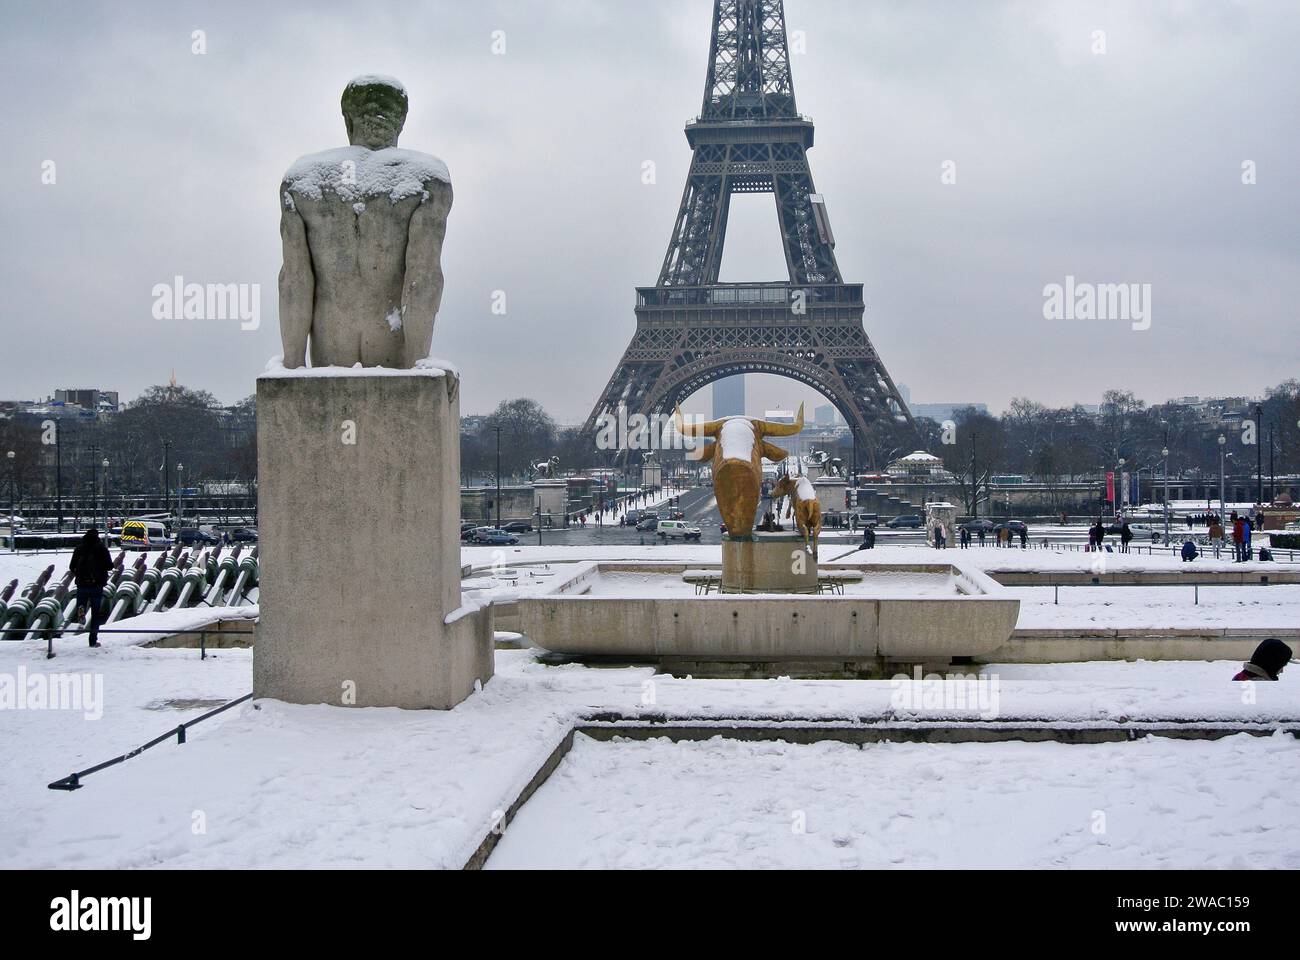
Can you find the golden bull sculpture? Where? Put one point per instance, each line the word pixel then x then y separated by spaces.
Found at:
pixel 738 448
pixel 805 506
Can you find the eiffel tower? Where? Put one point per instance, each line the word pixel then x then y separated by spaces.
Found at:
pixel 692 330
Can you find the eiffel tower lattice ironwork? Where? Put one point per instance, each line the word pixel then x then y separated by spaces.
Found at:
pixel 692 330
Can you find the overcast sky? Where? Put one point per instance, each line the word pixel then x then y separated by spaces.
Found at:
pixel 1122 167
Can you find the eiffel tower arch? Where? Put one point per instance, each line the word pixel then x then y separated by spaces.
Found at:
pixel 692 330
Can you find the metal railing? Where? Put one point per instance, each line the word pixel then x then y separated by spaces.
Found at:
pixel 73 780
pixel 51 633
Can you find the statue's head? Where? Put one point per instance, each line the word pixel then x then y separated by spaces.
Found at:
pixel 374 109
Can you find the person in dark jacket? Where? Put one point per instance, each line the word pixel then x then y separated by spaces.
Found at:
pixel 1189 551
pixel 1125 536
pixel 90 566
pixel 1098 535
pixel 1266 662
pixel 868 538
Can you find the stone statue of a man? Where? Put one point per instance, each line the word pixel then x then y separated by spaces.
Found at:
pixel 362 228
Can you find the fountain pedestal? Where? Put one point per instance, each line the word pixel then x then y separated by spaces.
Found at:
pixel 767 563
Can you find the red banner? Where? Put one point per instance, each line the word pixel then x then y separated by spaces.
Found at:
pixel 1110 487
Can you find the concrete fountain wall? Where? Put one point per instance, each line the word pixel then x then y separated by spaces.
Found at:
pixel 884 631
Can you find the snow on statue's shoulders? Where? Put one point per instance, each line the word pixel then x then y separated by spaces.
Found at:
pixel 357 173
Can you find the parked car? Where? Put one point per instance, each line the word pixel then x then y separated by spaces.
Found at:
pixel 678 530
pixel 495 537
pixel 193 537
pixel 1140 531
pixel 243 535
pixel 633 517
pixel 472 534
pixel 1016 527
pixel 517 526
pixel 976 525
pixel 907 522
pixel 648 523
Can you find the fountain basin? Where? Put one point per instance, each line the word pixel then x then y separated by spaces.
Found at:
pixel 897 613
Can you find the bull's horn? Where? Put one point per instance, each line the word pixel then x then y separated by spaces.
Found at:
pixel 784 429
pixel 709 429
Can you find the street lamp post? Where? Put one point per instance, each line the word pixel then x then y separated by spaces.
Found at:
pixel 94 483
pixel 180 493
pixel 1259 455
pixel 58 475
pixel 104 497
pixel 1223 443
pixel 13 534
pixel 498 430
pixel 1272 469
pixel 1165 453
pixel 1121 488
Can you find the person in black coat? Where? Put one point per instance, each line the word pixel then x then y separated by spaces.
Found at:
pixel 1267 661
pixel 868 538
pixel 90 566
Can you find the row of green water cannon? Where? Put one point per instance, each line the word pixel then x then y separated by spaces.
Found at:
pixel 175 581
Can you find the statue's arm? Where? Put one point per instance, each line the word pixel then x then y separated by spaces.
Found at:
pixel 422 291
pixel 297 285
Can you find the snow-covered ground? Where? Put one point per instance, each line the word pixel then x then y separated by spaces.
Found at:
pixel 269 784
pixel 1148 804
pixel 1116 607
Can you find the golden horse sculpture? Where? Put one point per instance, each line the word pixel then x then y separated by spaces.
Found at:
pixel 737 451
pixel 807 508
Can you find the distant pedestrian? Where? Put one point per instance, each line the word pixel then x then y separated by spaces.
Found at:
pixel 1024 537
pixel 1189 551
pixel 1216 536
pixel 90 565
pixel 868 537
pixel 1238 538
pixel 981 536
pixel 1125 537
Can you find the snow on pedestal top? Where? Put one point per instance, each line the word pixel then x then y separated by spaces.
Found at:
pixel 357 174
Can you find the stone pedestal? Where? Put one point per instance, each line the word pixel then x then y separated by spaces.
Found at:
pixel 830 493
pixel 358 514
pixel 767 563
pixel 552 496
pixel 940 513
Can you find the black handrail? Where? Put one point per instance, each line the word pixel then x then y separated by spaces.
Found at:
pixel 50 633
pixel 73 780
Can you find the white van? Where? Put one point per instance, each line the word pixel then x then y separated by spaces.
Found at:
pixel 144 535
pixel 677 530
